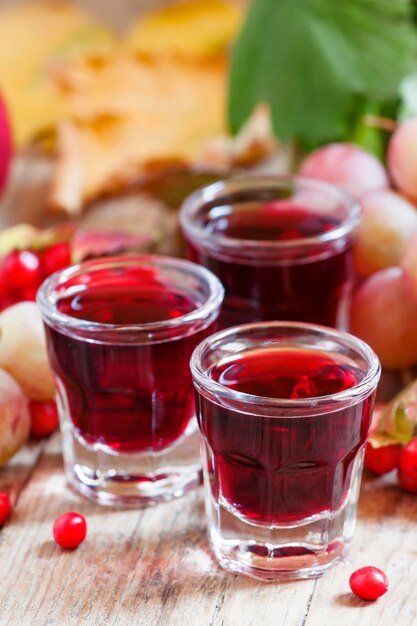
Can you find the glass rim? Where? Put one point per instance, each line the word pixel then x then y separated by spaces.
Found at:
pixel 54 317
pixel 361 390
pixel 221 188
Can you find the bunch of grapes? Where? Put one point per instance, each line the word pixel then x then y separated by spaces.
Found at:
pixel 384 306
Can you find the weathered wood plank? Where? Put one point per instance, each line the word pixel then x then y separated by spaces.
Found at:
pixel 386 537
pixel 154 566
pixel 17 472
pixel 148 567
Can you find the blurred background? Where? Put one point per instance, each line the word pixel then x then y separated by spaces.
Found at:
pixel 116 110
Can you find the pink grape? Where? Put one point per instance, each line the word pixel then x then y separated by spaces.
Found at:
pixel 402 157
pixel 409 265
pixel 347 166
pixel 388 223
pixel 14 417
pixel 384 315
pixel 23 350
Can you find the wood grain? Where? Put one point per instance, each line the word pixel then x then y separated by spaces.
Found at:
pixel 153 566
pixel 386 537
pixel 147 567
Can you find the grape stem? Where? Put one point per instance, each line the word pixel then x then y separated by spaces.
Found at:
pixel 383 123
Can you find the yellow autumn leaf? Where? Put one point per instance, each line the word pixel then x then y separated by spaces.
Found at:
pixel 130 114
pixel 191 28
pixel 33 37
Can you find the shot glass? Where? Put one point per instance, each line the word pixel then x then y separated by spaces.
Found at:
pixel 120 334
pixel 281 246
pixel 284 410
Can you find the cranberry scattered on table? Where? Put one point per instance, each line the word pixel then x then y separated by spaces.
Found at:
pixel 368 583
pixel 5 507
pixel 70 530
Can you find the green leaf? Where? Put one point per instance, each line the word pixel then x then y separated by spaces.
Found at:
pixel 311 59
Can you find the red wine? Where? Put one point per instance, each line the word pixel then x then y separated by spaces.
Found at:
pixel 283 469
pixel 127 302
pixel 274 221
pixel 300 287
pixel 134 397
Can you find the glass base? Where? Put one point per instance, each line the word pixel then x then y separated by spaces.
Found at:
pixel 281 556
pixel 135 480
pixel 282 552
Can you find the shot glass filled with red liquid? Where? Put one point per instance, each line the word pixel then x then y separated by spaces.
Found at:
pixel 280 246
pixel 120 334
pixel 284 410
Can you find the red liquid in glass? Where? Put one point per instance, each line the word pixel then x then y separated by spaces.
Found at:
pixel 128 397
pixel 282 470
pixel 298 289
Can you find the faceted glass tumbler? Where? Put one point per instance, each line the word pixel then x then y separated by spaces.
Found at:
pixel 282 475
pixel 124 389
pixel 281 246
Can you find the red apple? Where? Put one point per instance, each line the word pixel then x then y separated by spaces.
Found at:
pixel 6 148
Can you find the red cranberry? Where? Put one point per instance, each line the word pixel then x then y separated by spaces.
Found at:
pixel 382 460
pixel 3 288
pixel 55 257
pixel 21 269
pixel 5 507
pixel 368 583
pixel 70 530
pixel 44 418
pixel 407 482
pixel 27 294
pixel 407 467
pixel 7 300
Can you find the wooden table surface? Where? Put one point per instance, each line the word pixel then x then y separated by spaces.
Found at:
pixel 153 567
